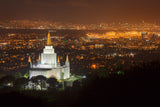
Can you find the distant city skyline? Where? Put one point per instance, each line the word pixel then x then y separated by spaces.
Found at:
pixel 82 11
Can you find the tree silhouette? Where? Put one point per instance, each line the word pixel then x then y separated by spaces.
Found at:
pixel 52 82
pixel 7 80
pixel 21 82
pixel 100 72
pixel 35 82
pixel 119 66
pixel 76 84
pixel 18 75
pixel 39 80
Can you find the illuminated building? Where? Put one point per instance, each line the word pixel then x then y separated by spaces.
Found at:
pixel 93 66
pixel 48 65
pixel 143 35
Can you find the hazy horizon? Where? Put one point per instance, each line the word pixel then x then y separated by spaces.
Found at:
pixel 82 11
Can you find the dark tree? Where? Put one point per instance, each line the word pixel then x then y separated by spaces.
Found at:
pixel 119 66
pixel 42 81
pixel 7 80
pixel 21 82
pixel 18 75
pixel 52 82
pixel 39 80
pixel 35 82
pixel 101 72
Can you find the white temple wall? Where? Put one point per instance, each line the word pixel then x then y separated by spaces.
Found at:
pixel 33 73
pixel 66 72
pixel 55 73
pixel 49 59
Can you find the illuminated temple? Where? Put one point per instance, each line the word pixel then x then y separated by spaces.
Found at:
pixel 49 65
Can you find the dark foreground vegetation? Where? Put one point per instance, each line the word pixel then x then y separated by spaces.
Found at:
pixel 138 87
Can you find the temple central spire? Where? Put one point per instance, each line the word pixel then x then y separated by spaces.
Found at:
pixel 49 39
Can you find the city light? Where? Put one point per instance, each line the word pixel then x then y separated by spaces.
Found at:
pixel 93 66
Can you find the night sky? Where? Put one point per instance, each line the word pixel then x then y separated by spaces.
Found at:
pixel 82 11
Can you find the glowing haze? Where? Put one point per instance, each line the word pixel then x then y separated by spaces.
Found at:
pixel 82 11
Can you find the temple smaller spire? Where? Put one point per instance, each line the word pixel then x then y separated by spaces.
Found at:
pixel 39 57
pixel 49 39
pixel 67 58
pixel 29 59
pixel 67 61
pixel 58 60
pixel 30 62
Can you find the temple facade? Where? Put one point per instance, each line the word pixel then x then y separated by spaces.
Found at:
pixel 49 64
